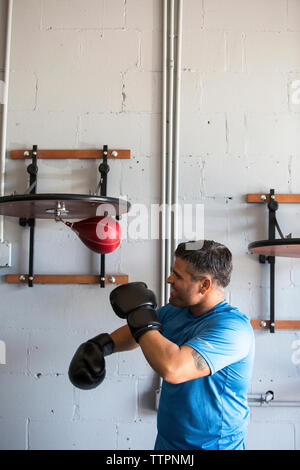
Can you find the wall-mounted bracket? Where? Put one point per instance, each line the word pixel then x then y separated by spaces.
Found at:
pixel 103 169
pixel 45 206
pixel 272 247
pixel 110 279
pixel 279 324
pixel 32 169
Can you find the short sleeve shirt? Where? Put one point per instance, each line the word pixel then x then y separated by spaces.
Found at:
pixel 209 412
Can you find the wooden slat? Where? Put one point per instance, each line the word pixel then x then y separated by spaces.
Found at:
pixel 283 198
pixel 74 154
pixel 65 279
pixel 279 324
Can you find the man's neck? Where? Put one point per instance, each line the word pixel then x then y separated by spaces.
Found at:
pixel 207 304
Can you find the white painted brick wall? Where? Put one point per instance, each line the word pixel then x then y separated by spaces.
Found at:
pixel 270 436
pixel 207 58
pixel 263 92
pixel 242 15
pixel 85 74
pixel 136 436
pixel 278 51
pixel 78 435
pixel 293 15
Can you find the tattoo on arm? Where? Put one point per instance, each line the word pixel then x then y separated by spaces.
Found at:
pixel 200 362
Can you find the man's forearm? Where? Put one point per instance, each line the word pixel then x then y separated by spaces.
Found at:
pixel 175 364
pixel 162 354
pixel 123 339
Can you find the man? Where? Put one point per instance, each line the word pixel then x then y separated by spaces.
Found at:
pixel 202 347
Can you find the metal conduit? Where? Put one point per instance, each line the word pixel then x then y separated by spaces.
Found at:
pixel 164 155
pixel 171 82
pixel 267 399
pixel 177 122
pixel 5 108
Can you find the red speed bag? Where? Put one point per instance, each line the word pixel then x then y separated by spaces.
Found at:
pixel 100 234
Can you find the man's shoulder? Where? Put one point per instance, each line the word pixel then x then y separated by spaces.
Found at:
pixel 230 316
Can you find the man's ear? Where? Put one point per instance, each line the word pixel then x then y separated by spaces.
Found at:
pixel 205 285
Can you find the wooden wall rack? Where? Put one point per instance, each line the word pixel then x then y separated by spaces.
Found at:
pixel 272 247
pixel 279 324
pixel 35 154
pixel 262 198
pixel 66 279
pixel 86 154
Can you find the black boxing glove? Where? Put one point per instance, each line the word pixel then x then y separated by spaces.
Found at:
pixel 138 304
pixel 87 368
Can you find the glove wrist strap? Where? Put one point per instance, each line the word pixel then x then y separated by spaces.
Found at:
pixel 138 333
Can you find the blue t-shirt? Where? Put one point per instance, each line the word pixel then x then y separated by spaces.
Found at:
pixel 209 412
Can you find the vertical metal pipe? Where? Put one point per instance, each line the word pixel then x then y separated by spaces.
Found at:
pixel 171 85
pixel 272 206
pixel 170 104
pixel 177 122
pixel 164 154
pixel 31 252
pixel 167 138
pixel 272 293
pixel 32 169
pixel 5 107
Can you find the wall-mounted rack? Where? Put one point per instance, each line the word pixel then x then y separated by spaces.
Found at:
pixel 66 279
pixel 31 205
pixel 85 154
pixel 279 324
pixel 285 246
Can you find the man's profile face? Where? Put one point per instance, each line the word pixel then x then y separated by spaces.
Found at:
pixel 185 292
